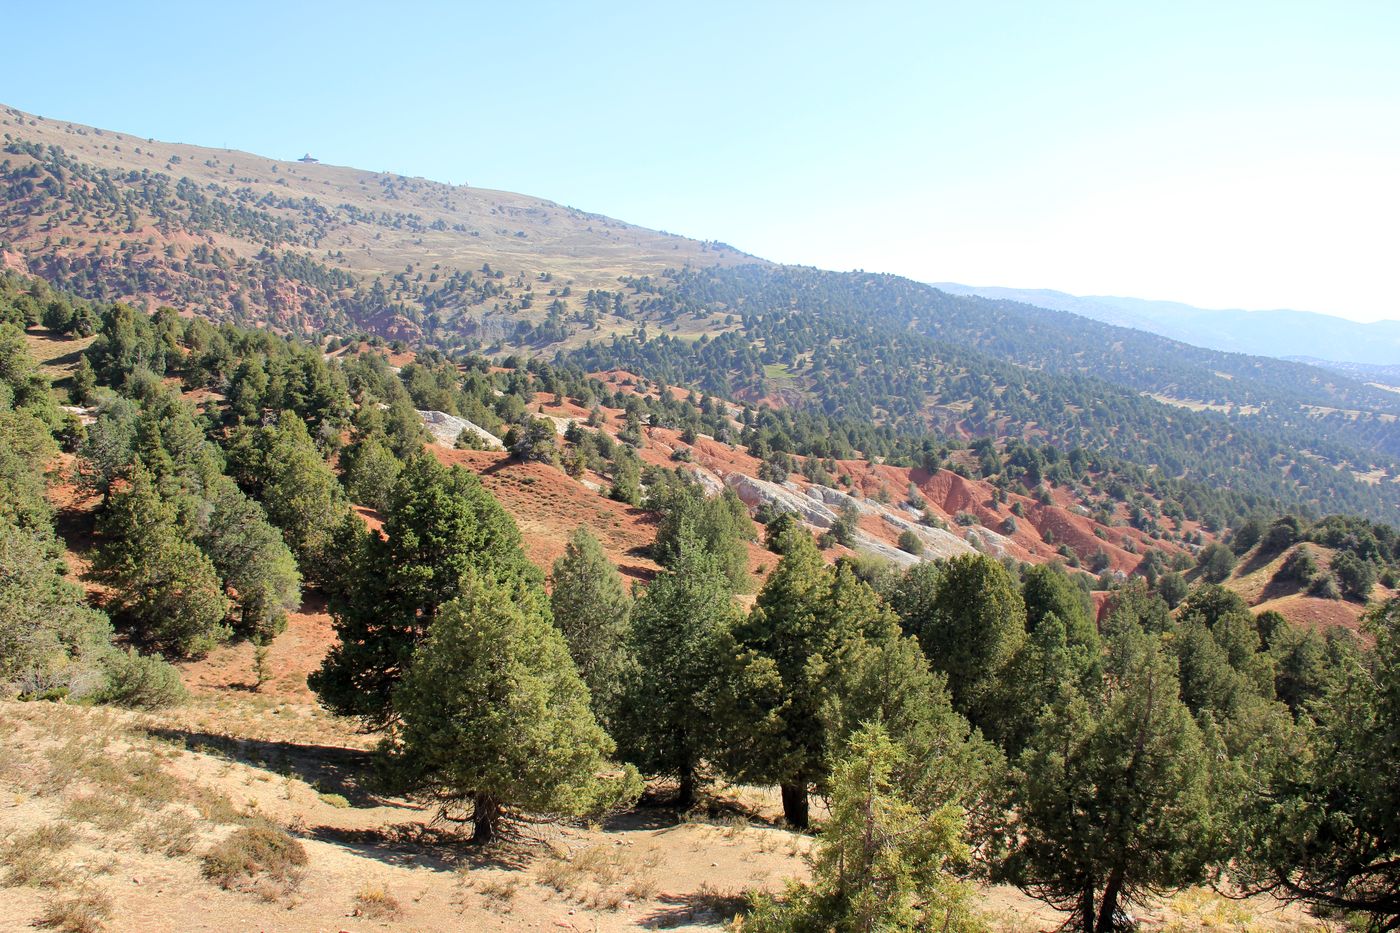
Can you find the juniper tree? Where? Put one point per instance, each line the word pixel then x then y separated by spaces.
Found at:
pixel 492 713
pixel 158 581
pixel 883 862
pixel 390 586
pixel 666 725
pixel 593 610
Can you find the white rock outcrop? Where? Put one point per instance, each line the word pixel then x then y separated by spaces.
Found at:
pixel 446 428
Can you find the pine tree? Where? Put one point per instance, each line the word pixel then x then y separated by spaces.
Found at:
pixel 593 611
pixel 160 583
pixel 371 470
pixel 493 713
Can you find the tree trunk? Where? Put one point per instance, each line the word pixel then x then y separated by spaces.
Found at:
pixel 486 818
pixel 685 794
pixel 1108 905
pixel 1085 910
pixel 795 804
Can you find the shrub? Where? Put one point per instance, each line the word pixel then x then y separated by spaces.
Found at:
pixel 1301 566
pixel 85 911
pixel 253 851
pixel 1324 586
pixel 140 681
pixel 909 541
pixel 375 903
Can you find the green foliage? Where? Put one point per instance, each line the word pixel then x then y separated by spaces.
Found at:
pixel 493 713
pixel 49 640
pixel 139 681
pixel 911 542
pixel 252 559
pixel 593 611
pixel 302 495
pixel 160 584
pixel 1216 562
pixel 1326 827
pixel 819 654
pixel 388 587
pixel 370 471
pixel 679 622
pixel 970 627
pixel 1112 796
pixel 883 862
pixel 720 525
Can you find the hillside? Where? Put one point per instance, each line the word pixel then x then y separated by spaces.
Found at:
pixel 1280 333
pixel 233 235
pixel 315 248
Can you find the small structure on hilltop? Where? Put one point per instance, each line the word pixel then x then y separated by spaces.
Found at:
pixel 308 159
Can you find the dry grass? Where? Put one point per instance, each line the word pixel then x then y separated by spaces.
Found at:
pixel 29 859
pixel 172 834
pixel 83 911
pixel 259 858
pixel 373 902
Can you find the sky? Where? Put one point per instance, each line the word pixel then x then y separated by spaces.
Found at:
pixel 1238 154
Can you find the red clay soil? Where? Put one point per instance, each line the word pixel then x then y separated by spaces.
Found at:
pixel 548 505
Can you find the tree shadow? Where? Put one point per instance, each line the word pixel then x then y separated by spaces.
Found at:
pixel 424 845
pixel 330 769
pixel 704 906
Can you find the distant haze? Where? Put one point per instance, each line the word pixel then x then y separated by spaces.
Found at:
pixel 1281 333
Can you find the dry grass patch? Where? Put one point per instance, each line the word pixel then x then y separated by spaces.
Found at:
pixel 262 859
pixel 373 902
pixel 84 911
pixel 29 859
pixel 172 834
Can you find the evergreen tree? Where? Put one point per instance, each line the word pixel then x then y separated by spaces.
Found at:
pixel 301 493
pixel 388 587
pixel 253 561
pixel 1326 826
pixel 593 611
pixel 818 655
pixel 493 713
pixel 883 862
pixel 1112 796
pixel 970 628
pixel 159 582
pixel 370 471
pixel 667 722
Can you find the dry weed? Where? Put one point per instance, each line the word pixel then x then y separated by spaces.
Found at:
pixel 84 911
pixel 260 858
pixel 373 902
pixel 29 858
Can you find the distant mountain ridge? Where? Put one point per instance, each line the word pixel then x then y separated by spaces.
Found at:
pixel 1283 333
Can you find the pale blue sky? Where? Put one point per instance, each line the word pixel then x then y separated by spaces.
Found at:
pixel 1240 154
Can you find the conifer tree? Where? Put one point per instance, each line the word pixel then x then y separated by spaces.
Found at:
pixel 970 628
pixel 667 722
pixel 492 713
pixel 818 656
pixel 253 561
pixel 160 583
pixel 388 587
pixel 883 863
pixel 1112 796
pixel 593 611
pixel 302 495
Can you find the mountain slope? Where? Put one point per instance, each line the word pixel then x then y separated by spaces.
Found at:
pixel 884 360
pixel 1281 333
pixel 304 246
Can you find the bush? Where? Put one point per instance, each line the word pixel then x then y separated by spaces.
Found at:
pixel 140 681
pixel 1356 576
pixel 1324 586
pixel 252 851
pixel 1301 566
pixel 909 541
